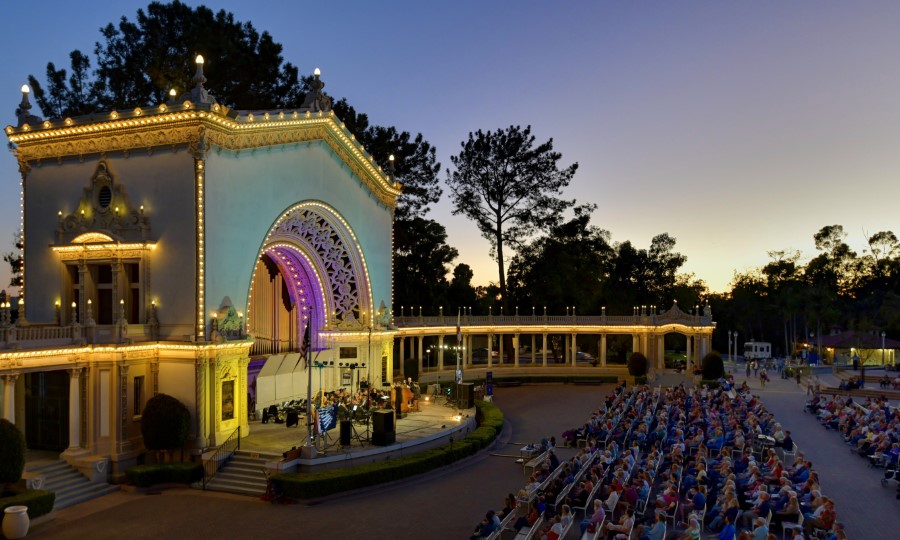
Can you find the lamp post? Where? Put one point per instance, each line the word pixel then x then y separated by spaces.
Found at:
pixel 882 348
pixel 735 334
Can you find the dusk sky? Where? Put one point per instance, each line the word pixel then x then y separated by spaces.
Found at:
pixel 736 127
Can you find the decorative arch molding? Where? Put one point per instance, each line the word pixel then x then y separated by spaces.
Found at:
pixel 311 242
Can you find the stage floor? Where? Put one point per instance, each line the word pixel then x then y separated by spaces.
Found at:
pixel 433 421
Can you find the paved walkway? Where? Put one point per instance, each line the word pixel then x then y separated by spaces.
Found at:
pixel 449 502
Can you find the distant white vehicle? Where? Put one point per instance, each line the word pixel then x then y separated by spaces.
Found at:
pixel 757 350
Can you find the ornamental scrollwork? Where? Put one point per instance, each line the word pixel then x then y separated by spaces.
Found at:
pixel 319 234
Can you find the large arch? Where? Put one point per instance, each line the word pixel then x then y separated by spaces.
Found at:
pixel 323 268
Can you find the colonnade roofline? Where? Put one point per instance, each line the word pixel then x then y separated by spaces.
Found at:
pixel 554 324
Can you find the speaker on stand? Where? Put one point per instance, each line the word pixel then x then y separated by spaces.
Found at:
pixel 346 433
pixel 383 432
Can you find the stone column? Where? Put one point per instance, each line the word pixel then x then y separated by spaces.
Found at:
pixel 688 357
pixel 603 350
pixel 660 352
pixel 122 412
pixel 574 349
pixel 566 350
pixel 441 352
pixel 9 397
pixel 533 342
pixel 490 350
pixel 402 351
pixel 516 349
pixel 635 344
pixel 74 409
pixel 421 354
pixel 544 349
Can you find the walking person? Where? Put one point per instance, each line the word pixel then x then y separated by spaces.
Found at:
pixel 763 377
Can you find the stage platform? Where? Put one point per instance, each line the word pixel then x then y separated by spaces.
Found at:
pixel 434 425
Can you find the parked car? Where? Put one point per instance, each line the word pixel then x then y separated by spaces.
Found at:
pixel 481 354
pixel 586 358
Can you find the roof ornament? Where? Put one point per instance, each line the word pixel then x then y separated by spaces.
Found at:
pixel 22 112
pixel 316 100
pixel 199 93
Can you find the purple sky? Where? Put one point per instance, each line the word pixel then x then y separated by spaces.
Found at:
pixel 736 127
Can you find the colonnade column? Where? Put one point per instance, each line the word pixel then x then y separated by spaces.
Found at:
pixel 574 349
pixel 660 352
pixel 516 349
pixel 490 350
pixel 635 344
pixel 9 397
pixel 533 342
pixel 421 354
pixel 544 349
pixel 688 357
pixel 566 350
pixel 441 352
pixel 402 352
pixel 75 409
pixel 603 350
pixel 500 356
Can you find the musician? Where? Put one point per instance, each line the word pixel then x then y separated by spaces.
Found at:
pixel 416 394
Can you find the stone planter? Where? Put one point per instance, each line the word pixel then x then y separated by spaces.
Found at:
pixel 15 522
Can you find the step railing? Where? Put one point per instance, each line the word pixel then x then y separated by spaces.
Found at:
pixel 221 454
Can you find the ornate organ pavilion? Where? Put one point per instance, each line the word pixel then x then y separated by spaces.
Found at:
pixel 186 248
pixel 164 246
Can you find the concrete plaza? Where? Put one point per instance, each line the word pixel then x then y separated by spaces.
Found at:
pixel 449 502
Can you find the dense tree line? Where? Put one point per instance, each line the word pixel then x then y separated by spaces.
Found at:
pixel 785 301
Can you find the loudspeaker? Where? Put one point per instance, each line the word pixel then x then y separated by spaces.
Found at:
pixel 383 432
pixel 345 432
pixel 466 395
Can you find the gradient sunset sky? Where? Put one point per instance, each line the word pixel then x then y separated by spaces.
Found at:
pixel 736 127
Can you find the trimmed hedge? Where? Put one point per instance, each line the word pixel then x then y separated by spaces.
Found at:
pixel 637 365
pixel 12 453
pixel 164 473
pixel 638 381
pixel 711 383
pixel 38 501
pixel 321 484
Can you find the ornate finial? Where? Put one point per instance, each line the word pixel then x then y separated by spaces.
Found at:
pixel 23 115
pixel 391 164
pixel 316 100
pixel 199 93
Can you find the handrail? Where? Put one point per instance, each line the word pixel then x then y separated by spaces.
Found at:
pixel 224 451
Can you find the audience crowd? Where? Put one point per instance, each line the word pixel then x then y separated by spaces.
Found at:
pixel 671 463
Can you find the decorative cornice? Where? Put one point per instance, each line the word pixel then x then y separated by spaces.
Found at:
pixel 198 129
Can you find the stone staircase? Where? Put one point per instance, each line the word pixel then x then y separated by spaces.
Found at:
pixel 71 487
pixel 243 473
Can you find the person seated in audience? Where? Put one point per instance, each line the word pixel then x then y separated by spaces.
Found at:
pixel 838 532
pixel 553 530
pixel 509 504
pixel 788 442
pixel 623 527
pixel 728 531
pixel 885 381
pixel 693 530
pixel 655 532
pixel 790 511
pixel 822 518
pixel 761 530
pixel 528 519
pixel 595 519
pixel 488 525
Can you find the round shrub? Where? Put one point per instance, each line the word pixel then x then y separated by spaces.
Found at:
pixel 165 423
pixel 713 367
pixel 12 453
pixel 637 365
